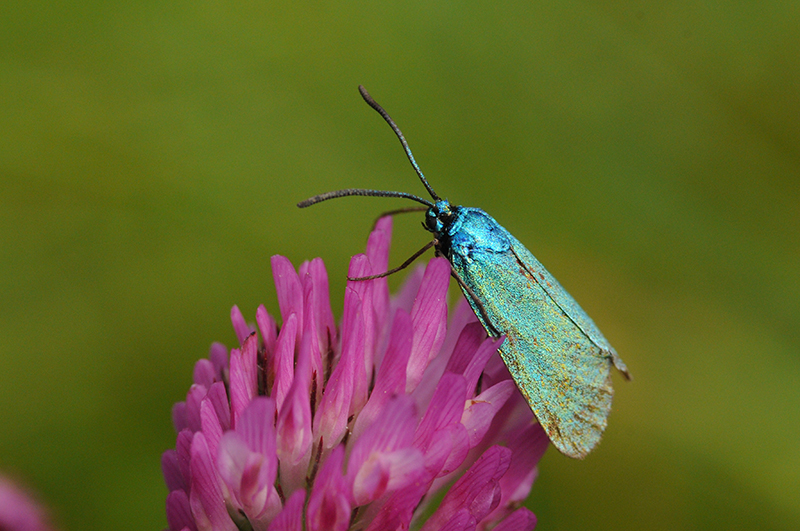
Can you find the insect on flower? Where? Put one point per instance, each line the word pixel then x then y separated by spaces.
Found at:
pixel 557 356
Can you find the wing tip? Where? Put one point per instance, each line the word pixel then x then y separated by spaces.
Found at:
pixel 620 365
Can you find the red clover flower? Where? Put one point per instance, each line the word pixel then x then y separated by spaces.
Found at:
pixel 310 426
pixel 19 511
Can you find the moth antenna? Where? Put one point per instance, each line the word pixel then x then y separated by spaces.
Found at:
pixel 363 192
pixel 374 104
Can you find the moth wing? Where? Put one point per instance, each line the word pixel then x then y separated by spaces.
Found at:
pixel 557 357
pixel 565 301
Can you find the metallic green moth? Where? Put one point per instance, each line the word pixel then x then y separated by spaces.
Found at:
pixel 557 356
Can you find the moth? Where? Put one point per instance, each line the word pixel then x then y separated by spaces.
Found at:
pixel 559 359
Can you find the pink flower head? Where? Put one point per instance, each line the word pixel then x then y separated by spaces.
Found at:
pixel 18 511
pixel 325 428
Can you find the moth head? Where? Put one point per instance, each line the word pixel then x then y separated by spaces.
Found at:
pixel 439 217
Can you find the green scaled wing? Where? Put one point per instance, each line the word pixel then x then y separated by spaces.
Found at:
pixel 558 358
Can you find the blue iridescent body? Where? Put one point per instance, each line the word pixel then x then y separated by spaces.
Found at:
pixel 558 358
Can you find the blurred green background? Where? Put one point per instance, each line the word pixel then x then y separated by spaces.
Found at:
pixel 648 153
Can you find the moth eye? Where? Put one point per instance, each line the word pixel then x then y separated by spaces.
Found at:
pixel 431 221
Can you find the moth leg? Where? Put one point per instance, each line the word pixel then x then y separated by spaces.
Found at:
pixel 398 268
pixel 398 211
pixel 494 332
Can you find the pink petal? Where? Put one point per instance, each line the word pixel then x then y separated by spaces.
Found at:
pixel 481 410
pixel 366 291
pixel 386 472
pixel 19 511
pixel 218 397
pixel 256 426
pixel 495 370
pixel 391 377
pixel 183 450
pixel 364 328
pixel 440 434
pixel 284 360
pixel 179 514
pixel 294 426
pixel 461 521
pixel 514 415
pixel 195 395
pixel 232 463
pixel 470 358
pixel 268 329
pixel 459 447
pixel 485 352
pixel 459 318
pixel 218 354
pixel 527 446
pixel 378 254
pixel 465 354
pixel 302 271
pixel 397 512
pixel 372 481
pixel 437 453
pixel 331 420
pixel 476 491
pixel 445 408
pixel 211 427
pixel 321 305
pixel 253 491
pixel 289 289
pixel 243 377
pixel 179 420
pixel 311 342
pixel 204 373
pixel 172 472
pixel 291 517
pixel 520 520
pixel 471 337
pixel 328 508
pixel 408 291
pixel 382 458
pixel 393 429
pixel 429 319
pixel 205 498
pixel 248 465
pixel 240 326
